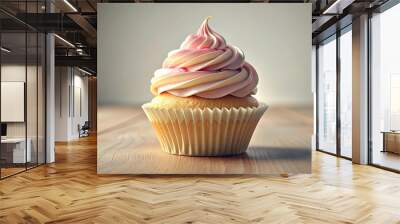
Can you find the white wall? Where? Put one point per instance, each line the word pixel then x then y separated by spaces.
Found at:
pixel 67 84
pixel 15 72
pixel 61 103
pixel 134 39
pixel 79 117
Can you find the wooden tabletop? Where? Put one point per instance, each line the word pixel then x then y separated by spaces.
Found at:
pixel 127 144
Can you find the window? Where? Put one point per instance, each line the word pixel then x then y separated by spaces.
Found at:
pixel 327 95
pixel 385 89
pixel 346 92
pixel 334 106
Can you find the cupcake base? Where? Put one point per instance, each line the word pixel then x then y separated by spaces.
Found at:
pixel 204 132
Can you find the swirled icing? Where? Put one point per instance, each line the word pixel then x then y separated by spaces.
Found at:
pixel 207 67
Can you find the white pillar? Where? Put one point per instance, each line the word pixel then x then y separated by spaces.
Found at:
pixel 50 99
pixel 63 101
pixel 360 90
pixel 50 92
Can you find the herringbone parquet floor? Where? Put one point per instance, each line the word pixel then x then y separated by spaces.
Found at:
pixel 70 191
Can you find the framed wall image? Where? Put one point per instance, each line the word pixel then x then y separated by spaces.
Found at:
pixel 222 89
pixel 12 101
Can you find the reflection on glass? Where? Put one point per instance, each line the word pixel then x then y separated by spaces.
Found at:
pixel 31 100
pixel 385 114
pixel 346 94
pixel 327 96
pixel 22 92
pixel 41 98
pixel 14 150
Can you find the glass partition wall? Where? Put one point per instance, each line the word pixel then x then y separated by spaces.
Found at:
pixel 22 98
pixel 334 93
pixel 13 85
pixel 385 89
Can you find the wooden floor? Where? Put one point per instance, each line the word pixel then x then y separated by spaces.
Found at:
pixel 127 144
pixel 70 191
pixel 10 171
pixel 386 159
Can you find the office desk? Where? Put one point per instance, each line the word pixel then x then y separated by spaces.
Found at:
pixel 13 150
pixel 391 141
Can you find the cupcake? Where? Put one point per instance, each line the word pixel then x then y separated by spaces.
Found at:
pixel 203 103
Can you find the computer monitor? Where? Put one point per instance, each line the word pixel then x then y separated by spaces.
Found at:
pixel 3 129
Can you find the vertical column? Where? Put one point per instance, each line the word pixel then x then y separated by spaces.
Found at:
pixel 62 103
pixel 338 91
pixel 50 92
pixel 360 90
pixel 314 92
pixel 92 99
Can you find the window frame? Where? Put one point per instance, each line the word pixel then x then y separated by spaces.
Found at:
pixel 336 36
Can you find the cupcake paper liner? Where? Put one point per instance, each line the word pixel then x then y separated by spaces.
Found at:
pixel 204 132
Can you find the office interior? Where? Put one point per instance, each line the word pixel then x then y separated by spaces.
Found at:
pixel 48 85
pixel 334 73
pixel 45 89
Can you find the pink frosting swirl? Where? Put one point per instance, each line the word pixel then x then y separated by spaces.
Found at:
pixel 207 67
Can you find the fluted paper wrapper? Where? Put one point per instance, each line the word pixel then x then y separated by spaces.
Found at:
pixel 204 132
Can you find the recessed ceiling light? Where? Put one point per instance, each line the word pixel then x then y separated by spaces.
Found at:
pixel 70 5
pixel 5 50
pixel 338 6
pixel 84 71
pixel 64 40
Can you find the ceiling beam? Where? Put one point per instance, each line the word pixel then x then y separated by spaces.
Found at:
pixel 84 24
pixel 48 22
pixel 337 7
pixel 320 22
pixel 83 61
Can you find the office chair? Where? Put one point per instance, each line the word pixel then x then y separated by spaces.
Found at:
pixel 84 130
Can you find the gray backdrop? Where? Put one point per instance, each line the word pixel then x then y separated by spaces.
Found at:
pixel 134 39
